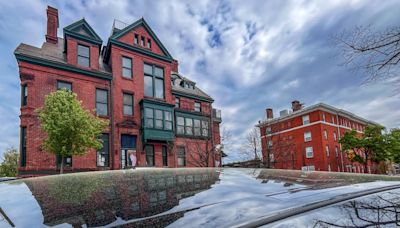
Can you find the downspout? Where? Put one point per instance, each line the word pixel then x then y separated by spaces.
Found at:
pixel 112 123
pixel 340 147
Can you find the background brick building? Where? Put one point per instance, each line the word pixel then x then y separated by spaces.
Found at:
pixel 133 82
pixel 308 138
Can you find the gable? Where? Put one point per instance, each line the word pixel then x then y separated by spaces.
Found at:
pixel 83 31
pixel 141 29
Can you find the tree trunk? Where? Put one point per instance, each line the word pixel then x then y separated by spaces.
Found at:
pixel 366 163
pixel 62 164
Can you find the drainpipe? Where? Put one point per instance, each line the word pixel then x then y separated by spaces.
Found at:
pixel 338 129
pixel 112 123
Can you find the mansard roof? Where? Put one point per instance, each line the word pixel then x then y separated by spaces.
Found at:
pixel 195 93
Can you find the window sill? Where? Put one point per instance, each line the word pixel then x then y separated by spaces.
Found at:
pixel 128 79
pixel 103 117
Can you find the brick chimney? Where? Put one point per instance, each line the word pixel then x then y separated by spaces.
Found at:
pixel 175 65
pixel 270 114
pixel 52 25
pixel 296 105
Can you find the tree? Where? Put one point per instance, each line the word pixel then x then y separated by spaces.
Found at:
pixel 393 141
pixel 251 148
pixel 71 130
pixel 9 163
pixel 374 53
pixel 199 152
pixel 372 145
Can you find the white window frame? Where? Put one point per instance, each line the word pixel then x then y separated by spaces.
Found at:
pixel 325 134
pixel 327 150
pixel 309 149
pixel 306 119
pixel 306 137
pixel 334 136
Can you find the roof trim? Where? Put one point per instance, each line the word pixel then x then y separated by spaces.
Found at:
pixel 319 106
pixel 141 51
pixel 183 94
pixel 141 22
pixel 61 66
pixel 69 30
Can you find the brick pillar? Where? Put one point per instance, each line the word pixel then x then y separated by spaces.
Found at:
pixel 52 25
pixel 175 65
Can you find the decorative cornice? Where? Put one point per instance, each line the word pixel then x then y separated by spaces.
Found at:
pixel 188 95
pixel 61 66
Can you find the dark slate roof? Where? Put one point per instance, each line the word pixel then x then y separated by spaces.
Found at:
pixel 53 52
pixel 194 92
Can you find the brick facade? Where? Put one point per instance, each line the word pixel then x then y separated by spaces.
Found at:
pixel 56 61
pixel 286 139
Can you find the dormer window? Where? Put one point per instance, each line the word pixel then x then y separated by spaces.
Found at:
pixel 83 55
pixel 148 43
pixel 136 41
pixel 197 106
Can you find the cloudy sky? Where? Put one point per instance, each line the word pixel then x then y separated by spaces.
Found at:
pixel 248 55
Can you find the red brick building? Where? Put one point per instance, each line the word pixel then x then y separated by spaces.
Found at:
pixel 308 138
pixel 133 82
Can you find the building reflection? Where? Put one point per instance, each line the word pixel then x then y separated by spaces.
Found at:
pixel 98 199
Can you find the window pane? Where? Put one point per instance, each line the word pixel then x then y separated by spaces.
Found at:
pixel 128 110
pixel 101 109
pixel 149 113
pixel 180 121
pixel 196 123
pixel 127 62
pixel 83 51
pixel 159 124
pixel 168 125
pixel 149 122
pixel 159 72
pixel 180 130
pixel 150 155
pixel 189 128
pixel 83 61
pixel 101 95
pixel 159 114
pixel 168 116
pixel 159 83
pixel 148 86
pixel 64 85
pixel 128 99
pixel 127 73
pixel 148 69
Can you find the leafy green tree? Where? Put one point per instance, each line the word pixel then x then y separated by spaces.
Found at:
pixel 71 130
pixel 393 141
pixel 372 144
pixel 9 163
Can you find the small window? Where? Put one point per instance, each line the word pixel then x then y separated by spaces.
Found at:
pixel 126 67
pixel 164 156
pixel 309 152
pixel 83 55
pixel 64 85
pixel 148 43
pixel 128 104
pixel 197 106
pixel 334 136
pixel 323 117
pixel 66 163
pixel 307 136
pixel 333 119
pixel 180 125
pixel 197 127
pixel 149 121
pixel 177 102
pixel 327 150
pixel 336 151
pixel 142 41
pixel 325 134
pixel 270 144
pixel 188 126
pixel 23 146
pixel 181 156
pixel 268 130
pixel 24 95
pixel 101 102
pixel 204 127
pixel 159 118
pixel 306 119
pixel 136 39
pixel 149 155
pixel 168 120
pixel 103 153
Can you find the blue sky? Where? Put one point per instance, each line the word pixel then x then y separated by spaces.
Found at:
pixel 248 55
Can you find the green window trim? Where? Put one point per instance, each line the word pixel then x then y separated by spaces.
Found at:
pixel 192 126
pixel 127 100
pixel 154 81
pixel 197 106
pixel 83 55
pixel 157 119
pixel 64 85
pixel 126 67
pixel 102 101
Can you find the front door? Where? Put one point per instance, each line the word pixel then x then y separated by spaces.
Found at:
pixel 128 143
